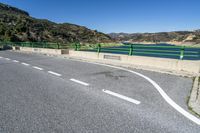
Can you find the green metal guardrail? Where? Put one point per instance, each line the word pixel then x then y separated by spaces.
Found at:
pixel 134 49
pixel 36 45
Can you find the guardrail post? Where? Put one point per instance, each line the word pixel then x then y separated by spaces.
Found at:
pixel 58 45
pixel 77 46
pixel 99 48
pixel 182 52
pixel 46 44
pixel 131 50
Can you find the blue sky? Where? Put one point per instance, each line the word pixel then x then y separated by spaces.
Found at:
pixel 117 15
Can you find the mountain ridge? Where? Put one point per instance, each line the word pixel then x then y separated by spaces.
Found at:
pixel 176 37
pixel 17 25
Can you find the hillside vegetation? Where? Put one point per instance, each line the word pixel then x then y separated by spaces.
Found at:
pixel 17 25
pixel 178 37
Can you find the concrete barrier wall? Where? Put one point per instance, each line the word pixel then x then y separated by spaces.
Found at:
pixel 43 50
pixel 188 66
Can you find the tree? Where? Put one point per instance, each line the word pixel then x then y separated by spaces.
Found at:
pixel 2 29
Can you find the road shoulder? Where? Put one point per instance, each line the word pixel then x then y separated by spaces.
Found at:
pixel 194 100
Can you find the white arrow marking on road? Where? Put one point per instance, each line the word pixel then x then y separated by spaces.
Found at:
pixel 38 68
pixel 54 73
pixel 122 97
pixel 80 82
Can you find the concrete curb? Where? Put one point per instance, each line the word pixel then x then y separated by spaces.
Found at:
pixel 108 62
pixel 188 67
pixel 42 50
pixel 183 74
pixel 194 101
pixel 168 66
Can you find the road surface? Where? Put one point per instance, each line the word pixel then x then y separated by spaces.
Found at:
pixel 39 93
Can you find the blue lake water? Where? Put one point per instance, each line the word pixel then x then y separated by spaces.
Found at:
pixel 155 51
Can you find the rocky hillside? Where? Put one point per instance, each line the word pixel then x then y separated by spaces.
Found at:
pixel 17 25
pixel 179 37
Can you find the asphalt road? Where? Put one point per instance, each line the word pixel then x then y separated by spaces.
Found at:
pixel 51 94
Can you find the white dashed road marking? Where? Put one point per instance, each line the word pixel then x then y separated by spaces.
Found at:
pixel 25 64
pixel 54 73
pixel 80 82
pixel 7 58
pixel 15 61
pixel 38 68
pixel 122 97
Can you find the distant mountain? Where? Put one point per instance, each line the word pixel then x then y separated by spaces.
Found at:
pixel 17 25
pixel 177 37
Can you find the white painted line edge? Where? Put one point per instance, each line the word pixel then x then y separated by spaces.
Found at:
pixel 158 88
pixel 25 64
pixel 54 73
pixel 80 82
pixel 15 61
pixel 38 68
pixel 122 97
pixel 7 58
pixel 1 57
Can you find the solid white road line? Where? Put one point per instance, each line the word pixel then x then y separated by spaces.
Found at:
pixel 7 58
pixel 159 89
pixel 38 68
pixel 15 61
pixel 122 97
pixel 0 57
pixel 25 64
pixel 80 82
pixel 54 73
